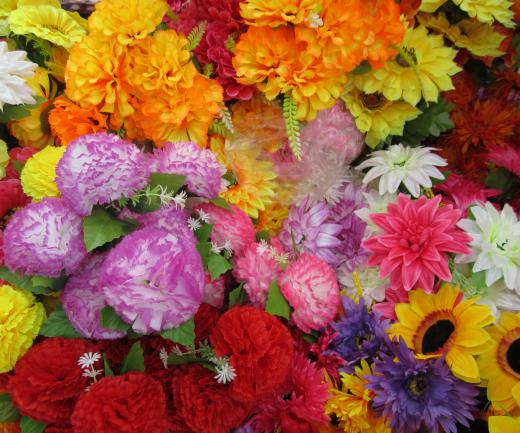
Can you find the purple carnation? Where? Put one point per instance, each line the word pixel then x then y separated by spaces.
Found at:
pixel 83 299
pixel 153 279
pixel 44 238
pixel 200 166
pixel 420 395
pixel 98 169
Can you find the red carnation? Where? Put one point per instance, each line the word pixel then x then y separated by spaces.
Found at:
pixel 47 380
pixel 1 247
pixel 205 320
pixel 132 403
pixel 11 196
pixel 56 428
pixel 259 347
pixel 20 154
pixel 204 404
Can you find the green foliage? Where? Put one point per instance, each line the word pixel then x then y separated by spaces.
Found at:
pixel 28 425
pixel 478 280
pixel 134 360
pixel 106 367
pixel 363 68
pixel 237 296
pixel 183 334
pixel 160 191
pixel 220 202
pixel 101 227
pixel 276 304
pixel 8 412
pixel 17 112
pixel 196 35
pixel 218 265
pixel 262 236
pixel 58 325
pixel 108 318
pixel 516 46
pixel 292 124
pixel 35 284
pixel 225 116
pixel 231 43
pixel 218 127
pixel 204 232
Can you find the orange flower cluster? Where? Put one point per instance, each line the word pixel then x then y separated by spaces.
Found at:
pixel 310 56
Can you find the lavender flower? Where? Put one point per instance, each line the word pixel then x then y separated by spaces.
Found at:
pixel 203 172
pixel 98 169
pixel 420 395
pixel 153 279
pixel 44 238
pixel 83 299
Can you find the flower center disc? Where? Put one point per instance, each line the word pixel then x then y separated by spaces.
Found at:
pixel 436 336
pixel 513 356
pixel 372 101
pixel 417 385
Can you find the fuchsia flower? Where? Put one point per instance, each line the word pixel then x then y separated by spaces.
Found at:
pixel 417 237
pixel 311 288
pixel 507 157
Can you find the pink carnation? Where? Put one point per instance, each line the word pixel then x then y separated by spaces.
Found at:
pixel 257 267
pixel 213 293
pixel 230 225
pixel 311 288
pixel 417 237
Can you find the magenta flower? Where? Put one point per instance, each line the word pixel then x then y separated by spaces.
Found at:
pixel 507 157
pixel 417 237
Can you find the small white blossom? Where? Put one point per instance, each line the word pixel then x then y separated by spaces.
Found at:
pixel 193 224
pixel 88 359
pixel 225 373
pixel 215 248
pixel 262 247
pixel 227 246
pixel 282 258
pixel 93 374
pixel 163 356
pixel 177 350
pixel 180 200
pixel 203 216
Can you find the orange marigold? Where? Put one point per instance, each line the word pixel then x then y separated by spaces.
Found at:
pixel 280 12
pixel 68 121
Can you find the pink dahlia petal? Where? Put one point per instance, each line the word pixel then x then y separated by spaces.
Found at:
pixel 214 291
pixel 153 279
pixel 98 169
pixel 44 238
pixel 310 287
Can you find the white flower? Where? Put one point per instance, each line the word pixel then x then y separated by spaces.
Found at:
pixel 495 244
pixel 180 200
pixel 163 356
pixel 13 69
pixel 372 285
pixel 227 246
pixel 262 247
pixel 377 203
pixel 215 248
pixel 193 224
pixel 225 373
pixel 88 359
pixel 203 216
pixel 412 166
pixel 93 374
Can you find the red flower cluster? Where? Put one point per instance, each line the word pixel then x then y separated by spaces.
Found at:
pixel 21 155
pixel 205 320
pixel 11 196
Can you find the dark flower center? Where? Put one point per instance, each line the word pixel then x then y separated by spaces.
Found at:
pixel 406 58
pixel 360 339
pixel 513 356
pixel 417 385
pixel 436 336
pixel 372 101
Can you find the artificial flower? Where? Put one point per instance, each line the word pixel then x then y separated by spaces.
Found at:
pixel 487 11
pixel 11 196
pixel 271 218
pixel 411 166
pixel 465 89
pixel 57 63
pixel 507 157
pixel 508 424
pixel 4 158
pixel 18 156
pixel 443 325
pixel 39 173
pixel 311 289
pixel 495 244
pixel 44 238
pixel 214 291
pixel 431 5
pixel 364 281
pixel 14 68
pixel 376 203
pixel 21 318
pixel 276 13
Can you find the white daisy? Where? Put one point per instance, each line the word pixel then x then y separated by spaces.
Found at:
pixel 93 374
pixel 411 166
pixel 203 216
pixel 88 359
pixel 262 247
pixel 13 71
pixel 180 200
pixel 194 224
pixel 215 248
pixel 495 244
pixel 225 372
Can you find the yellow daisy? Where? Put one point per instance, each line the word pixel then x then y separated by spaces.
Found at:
pixel 500 363
pixel 486 11
pixel 506 424
pixel 377 116
pixel 422 68
pixel 440 324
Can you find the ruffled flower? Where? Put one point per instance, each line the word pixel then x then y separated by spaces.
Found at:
pixel 11 196
pixel 100 168
pixel 487 11
pixel 276 13
pixel 214 291
pixel 310 287
pixel 44 238
pixel 507 157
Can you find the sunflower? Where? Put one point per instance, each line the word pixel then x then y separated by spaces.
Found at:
pixel 422 68
pixel 377 116
pixel 506 424
pixel 500 363
pixel 50 23
pixel 441 324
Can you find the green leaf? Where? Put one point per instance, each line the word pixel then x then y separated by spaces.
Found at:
pixel 172 182
pixel 236 296
pixel 45 285
pixel 28 425
pixel 218 265
pixel 262 236
pixel 101 227
pixel 175 359
pixel 106 367
pixel 433 121
pixel 196 35
pixel 230 177
pixel 363 68
pixel 8 412
pixel 220 202
pixel 203 232
pixel 17 165
pixel 276 304
pixel 500 179
pixel 15 279
pixel 292 124
pixel 183 334
pixel 204 249
pixel 108 318
pixel 17 112
pixel 58 325
pixel 134 361
pixel 478 279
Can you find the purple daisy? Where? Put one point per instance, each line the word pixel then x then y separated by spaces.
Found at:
pixel 420 395
pixel 83 299
pixel 98 169
pixel 200 166
pixel 153 279
pixel 44 238
pixel 311 230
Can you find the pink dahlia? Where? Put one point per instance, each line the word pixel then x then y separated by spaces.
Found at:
pixel 257 268
pixel 393 296
pixel 311 288
pixel 98 169
pixel 44 238
pixel 417 237
pixel 200 166
pixel 83 299
pixel 153 279
pixel 230 225
pixel 507 157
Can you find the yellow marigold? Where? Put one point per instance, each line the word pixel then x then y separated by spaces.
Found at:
pixel 272 217
pixel 127 20
pixel 217 145
pixel 277 62
pixel 160 62
pixel 176 116
pixel 280 12
pixel 30 131
pixel 4 158
pixel 94 77
pixel 423 67
pixel 68 121
pixel 20 320
pixel 377 116
pixel 50 23
pixel 487 11
pixel 479 39
pixel 431 5
pixel 39 173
